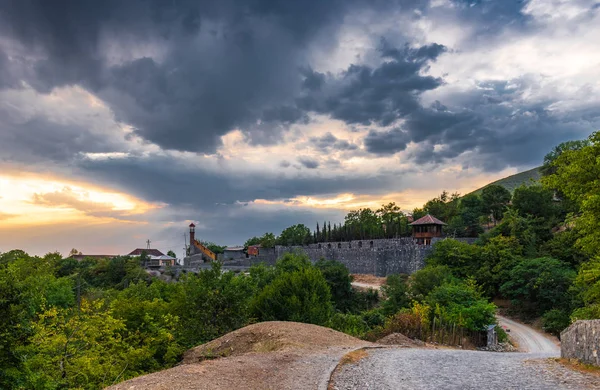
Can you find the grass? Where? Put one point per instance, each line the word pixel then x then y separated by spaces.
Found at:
pixel 354 357
pixel 576 365
pixel 527 178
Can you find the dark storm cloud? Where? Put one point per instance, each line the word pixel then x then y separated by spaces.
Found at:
pixel 40 140
pixel 331 142
pixel 308 162
pixel 365 95
pixel 386 142
pixel 227 64
pixel 179 184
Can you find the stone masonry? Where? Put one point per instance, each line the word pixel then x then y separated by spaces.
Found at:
pixel 581 341
pixel 377 257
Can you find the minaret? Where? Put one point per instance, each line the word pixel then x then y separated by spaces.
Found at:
pixel 192 233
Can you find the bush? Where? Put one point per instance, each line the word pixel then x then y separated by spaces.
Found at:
pixel 555 321
pixel 502 335
pixel 538 285
pixel 395 291
pixel 462 304
pixel 425 280
pixel 460 257
pixel 340 283
pixel 351 324
pixel 301 296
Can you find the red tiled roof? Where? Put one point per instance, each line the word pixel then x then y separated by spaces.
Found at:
pixel 427 220
pixel 149 252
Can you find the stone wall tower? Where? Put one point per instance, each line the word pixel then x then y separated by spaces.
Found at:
pixel 192 233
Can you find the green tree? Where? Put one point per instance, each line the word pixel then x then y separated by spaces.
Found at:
pixel 396 292
pixel 83 350
pixel 425 280
pixel 497 258
pixel 252 241
pixel 340 283
pixel 535 201
pixel 576 176
pixel 172 254
pixel 462 304
pixel 538 285
pixel 460 257
pixel 495 200
pixel 301 296
pixel 294 235
pixel 268 240
pixel 391 217
pixel 563 247
pixel 211 304
pixel 587 290
pixel 549 168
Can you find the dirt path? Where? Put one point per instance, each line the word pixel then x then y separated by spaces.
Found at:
pixel 366 285
pixel 529 339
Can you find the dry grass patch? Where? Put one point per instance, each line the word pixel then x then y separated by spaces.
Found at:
pixel 354 357
pixel 576 365
pixel 368 279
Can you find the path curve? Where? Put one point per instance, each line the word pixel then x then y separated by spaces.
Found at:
pixel 434 369
pixel 529 339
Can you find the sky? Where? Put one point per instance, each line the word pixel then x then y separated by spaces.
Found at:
pixel 122 121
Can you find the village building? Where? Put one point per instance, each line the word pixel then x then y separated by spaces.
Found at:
pixel 234 253
pixel 155 257
pixel 426 228
pixel 253 250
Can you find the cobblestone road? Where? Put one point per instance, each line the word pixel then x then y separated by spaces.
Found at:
pixel 425 369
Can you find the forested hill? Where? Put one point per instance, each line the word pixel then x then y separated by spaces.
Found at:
pixel 527 178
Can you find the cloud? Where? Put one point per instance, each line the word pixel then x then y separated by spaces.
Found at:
pixel 181 73
pixel 4 216
pixel 308 162
pixel 382 95
pixel 386 142
pixel 330 142
pixel 67 198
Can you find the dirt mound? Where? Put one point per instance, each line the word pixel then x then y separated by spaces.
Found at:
pixel 267 355
pixel 269 337
pixel 400 340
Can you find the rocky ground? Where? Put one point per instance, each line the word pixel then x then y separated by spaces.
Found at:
pixel 429 369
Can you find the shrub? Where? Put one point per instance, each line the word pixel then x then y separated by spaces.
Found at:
pixel 538 285
pixel 460 257
pixel 462 304
pixel 425 280
pixel 395 291
pixel 555 321
pixel 351 324
pixel 301 296
pixel 340 283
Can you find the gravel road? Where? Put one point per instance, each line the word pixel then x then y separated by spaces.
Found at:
pixel 528 339
pixel 424 369
pixel 429 369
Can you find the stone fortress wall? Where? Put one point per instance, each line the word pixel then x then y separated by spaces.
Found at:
pixel 380 257
pixel 581 341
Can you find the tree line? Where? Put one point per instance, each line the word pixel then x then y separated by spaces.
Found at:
pixel 464 215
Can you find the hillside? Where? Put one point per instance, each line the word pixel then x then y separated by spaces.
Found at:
pixel 511 182
pixel 266 355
